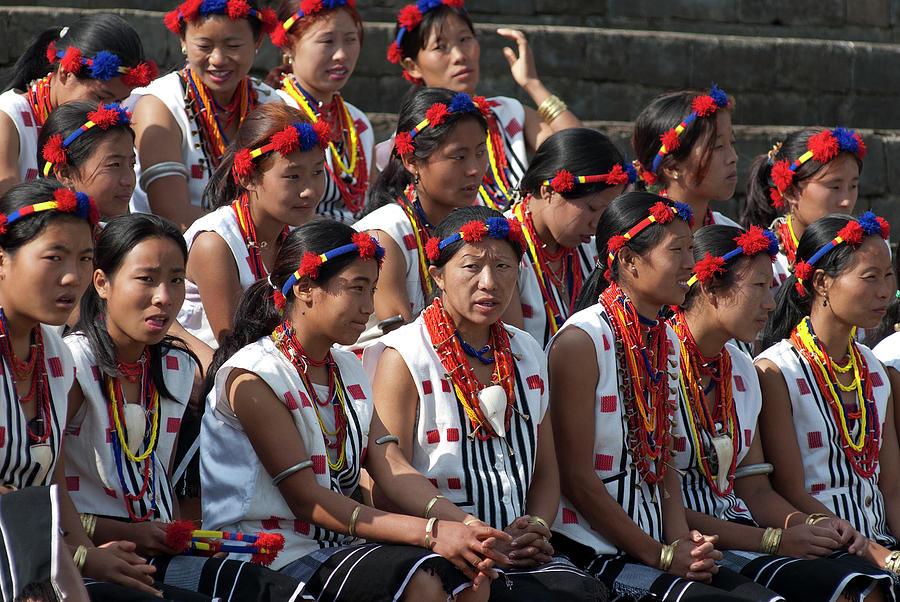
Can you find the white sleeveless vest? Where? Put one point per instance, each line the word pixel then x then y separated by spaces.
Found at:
pixel 19 111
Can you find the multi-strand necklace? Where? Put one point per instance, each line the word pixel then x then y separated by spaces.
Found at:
pixel 33 368
pixel 206 112
pixel 788 240
pixel 38 96
pixel 496 191
pixel 411 206
pixel 241 208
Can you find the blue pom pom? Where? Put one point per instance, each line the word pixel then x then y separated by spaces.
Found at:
pixel 462 103
pixel 846 140
pixel 631 172
pixel 869 223
pixel 773 242
pixel 306 136
pixel 718 96
pixel 84 205
pixel 427 5
pixel 213 7
pixel 684 211
pixel 497 227
pixel 105 66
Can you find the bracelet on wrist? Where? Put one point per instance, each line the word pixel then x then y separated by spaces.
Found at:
pixel 816 518
pixel 429 526
pixel 770 541
pixel 551 108
pixel 431 504
pixel 79 557
pixel 537 520
pixel 667 555
pixel 892 562
pixel 89 524
pixel 351 528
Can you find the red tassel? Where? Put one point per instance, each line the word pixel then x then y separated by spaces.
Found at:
pixel 824 146
pixel 53 151
pixel 190 10
pixel 852 233
pixel 309 265
pixel 279 37
pixel 703 106
pixel 563 181
pixel 71 60
pixel 51 52
pixel 173 22
pixel 2 223
pixel 178 534
pixel 243 164
pixel 515 233
pixel 803 271
pixel 395 54
pixel 437 114
pixel 861 153
pixel 269 20
pixel 140 75
pixel 753 241
pixel 286 141
pixel 65 200
pixel 404 144
pixel 271 543
pixel 279 300
pixel 777 198
pixel 366 244
pixel 885 227
pixel 708 267
pixel 237 9
pixel 662 212
pixel 409 17
pixel 615 176
pixel 323 132
pixel 103 117
pixel 670 140
pixel 433 249
pixel 472 231
pixel 615 244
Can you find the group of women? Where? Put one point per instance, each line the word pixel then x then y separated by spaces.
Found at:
pixel 489 358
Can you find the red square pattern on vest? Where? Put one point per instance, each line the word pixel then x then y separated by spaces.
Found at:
pixel 72 484
pixel 271 523
pixel 802 386
pixel 603 462
pixel 95 371
pixel 26 119
pixel 426 387
pixel 527 311
pixel 301 526
pixel 173 424
pixel 109 435
pixel 31 174
pixel 110 493
pixel 196 172
pixel 304 400
pixel 608 403
pixel 739 383
pixel 569 517
pixel 318 464
pixel 748 437
pixel 171 362
pixel 452 434
pixel 680 443
pixel 876 379
pixel 535 382
pixel 356 392
pixel 360 126
pixel 513 127
pixel 605 343
pixel 74 433
pixel 2 436
pixel 409 241
pixel 55 365
pixel 433 482
pixel 445 386
pixel 454 483
pixel 289 401
pixel 817 487
pixel 362 455
pixel 433 436
pixel 814 439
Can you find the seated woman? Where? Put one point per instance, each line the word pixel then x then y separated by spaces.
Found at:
pixel 487 448
pixel 613 415
pixel 716 436
pixel 571 180
pixel 827 420
pixel 290 425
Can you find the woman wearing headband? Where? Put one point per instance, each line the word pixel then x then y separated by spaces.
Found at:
pixel 185 120
pixel 99 58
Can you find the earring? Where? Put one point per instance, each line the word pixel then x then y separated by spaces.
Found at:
pixel 825 301
pixel 675 175
pixel 184 51
pixel 416 180
pixel 286 59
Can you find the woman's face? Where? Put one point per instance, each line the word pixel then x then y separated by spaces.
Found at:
pixel 107 176
pixel 220 52
pixel 42 280
pixel 144 295
pixel 289 190
pixel 741 310
pixel 324 57
pixel 340 307
pixel 572 222
pixel 659 277
pixel 860 294
pixel 721 176
pixel 70 89
pixel 833 189
pixel 449 58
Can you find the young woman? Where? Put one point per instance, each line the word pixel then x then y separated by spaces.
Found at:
pixel 488 448
pixel 613 417
pixel 827 421
pixel 292 417
pixel 46 246
pixel 438 160
pixel 813 173
pixel 684 144
pixel 322 46
pixel 435 43
pixel 90 149
pixel 184 120
pixel 724 483
pixel 270 179
pixel 99 58
pixel 571 180
pixel 885 339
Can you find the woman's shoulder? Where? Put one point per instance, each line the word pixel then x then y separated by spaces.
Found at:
pixel 264 92
pixel 383 218
pixel 13 100
pixel 217 221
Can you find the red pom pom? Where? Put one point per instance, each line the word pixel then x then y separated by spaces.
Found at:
pixel 104 118
pixel 646 175
pixel 51 52
pixel 824 146
pixel 472 231
pixel 65 200
pixel 777 198
pixel 286 141
pixel 267 547
pixel 482 104
pixel 416 81
pixel 279 37
pixel 2 223
pixel 140 75
pixel 395 54
pixel 861 153
pixel 563 181
pixel 269 20
pixel 782 175
pixel 323 132
pixel 53 151
pixel 753 241
pixel 670 140
pixel 662 212
pixel 437 114
pixel 852 233
pixel 433 249
pixel 615 243
pixel 403 142
pixel 173 22
pixel 708 267
pixel 243 164
pixel 178 534
pixel 309 7
pixel 366 244
pixel 409 17
pixel 515 233
pixel 71 60
pixel 803 271
pixel 279 300
pixel 309 265
pixel 615 176
pixel 885 227
pixel 798 286
pixel 455 3
pixel 190 10
pixel 237 9
pixel 704 105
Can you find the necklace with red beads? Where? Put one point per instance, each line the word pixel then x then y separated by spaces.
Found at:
pixel 241 208
pixel 32 368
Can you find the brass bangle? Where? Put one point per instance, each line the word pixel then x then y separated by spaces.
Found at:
pixel 551 108
pixel 667 555
pixel 431 504
pixel 351 528
pixel 428 528
pixel 817 517
pixel 892 562
pixel 470 521
pixel 79 557
pixel 89 524
pixel 770 541
pixel 537 520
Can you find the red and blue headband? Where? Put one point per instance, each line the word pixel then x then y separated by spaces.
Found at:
pixel 105 117
pixel 621 173
pixel 300 136
pixel 868 224
pixel 823 147
pixel 193 10
pixel 103 66
pixel 475 231
pixel 409 18
pixel 63 200
pixel 660 213
pixel 404 142
pixel 308 8
pixel 752 242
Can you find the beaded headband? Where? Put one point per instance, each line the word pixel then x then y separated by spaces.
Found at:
pixel 192 10
pixel 308 8
pixel 365 245
pixel 823 147
pixel 868 224
pixel 63 200
pixel 409 18
pixel 404 142
pixel 702 106
pixel 103 66
pixel 105 117
pixel 660 213
pixel 475 231
pixel 752 242
pixel 300 136
pixel 621 173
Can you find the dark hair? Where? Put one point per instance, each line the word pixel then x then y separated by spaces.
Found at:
pixel 415 40
pixel 116 241
pixel 254 131
pixel 90 34
pixel 256 25
pixel 287 9
pixel 664 113
pixel 790 306
pixel 758 208
pixel 455 220
pixel 394 179
pixel 624 212
pixel 256 315
pixel 26 228
pixel 717 240
pixel 580 151
pixel 64 120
